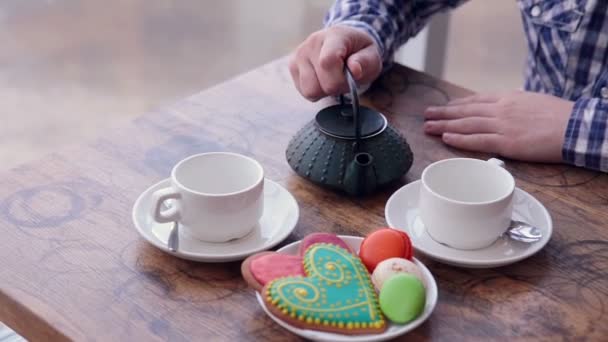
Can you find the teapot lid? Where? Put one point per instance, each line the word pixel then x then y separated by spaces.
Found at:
pixel 338 121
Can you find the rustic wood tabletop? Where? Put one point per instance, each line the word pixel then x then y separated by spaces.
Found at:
pixel 72 265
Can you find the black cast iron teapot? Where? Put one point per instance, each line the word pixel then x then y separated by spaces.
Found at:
pixel 350 148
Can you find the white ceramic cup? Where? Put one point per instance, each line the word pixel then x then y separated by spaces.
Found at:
pixel 216 196
pixel 466 203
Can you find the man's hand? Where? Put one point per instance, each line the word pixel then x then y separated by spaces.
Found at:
pixel 518 125
pixel 317 66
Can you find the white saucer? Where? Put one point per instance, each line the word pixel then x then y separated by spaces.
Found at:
pixel 401 212
pixel 393 330
pixel 280 216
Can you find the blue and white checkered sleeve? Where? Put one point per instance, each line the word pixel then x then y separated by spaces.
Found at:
pixel 586 140
pixel 389 22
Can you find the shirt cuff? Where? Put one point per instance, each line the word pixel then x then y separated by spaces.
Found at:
pixel 586 141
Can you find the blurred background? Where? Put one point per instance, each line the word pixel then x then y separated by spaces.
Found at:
pixel 71 70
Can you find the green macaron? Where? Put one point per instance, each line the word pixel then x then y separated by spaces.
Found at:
pixel 402 298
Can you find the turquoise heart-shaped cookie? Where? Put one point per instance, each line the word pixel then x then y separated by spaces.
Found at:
pixel 336 294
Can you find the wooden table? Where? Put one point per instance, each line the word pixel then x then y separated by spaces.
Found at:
pixel 73 267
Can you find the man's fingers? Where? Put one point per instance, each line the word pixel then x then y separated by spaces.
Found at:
pixel 467 125
pixel 458 111
pixel 330 65
pixel 486 142
pixel 309 84
pixel 317 66
pixel 294 71
pixel 477 98
pixel 365 64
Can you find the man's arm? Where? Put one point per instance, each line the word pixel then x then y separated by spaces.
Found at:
pixel 586 141
pixel 390 23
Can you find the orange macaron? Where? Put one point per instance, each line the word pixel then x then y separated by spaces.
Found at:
pixel 383 244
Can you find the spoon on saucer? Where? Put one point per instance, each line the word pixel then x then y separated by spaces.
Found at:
pixel 173 242
pixel 524 232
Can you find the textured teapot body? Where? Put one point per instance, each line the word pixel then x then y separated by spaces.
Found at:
pixel 339 164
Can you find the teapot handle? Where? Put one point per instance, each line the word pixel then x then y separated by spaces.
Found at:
pixel 352 85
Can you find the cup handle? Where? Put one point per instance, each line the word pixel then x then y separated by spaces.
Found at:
pixel 496 162
pixel 160 196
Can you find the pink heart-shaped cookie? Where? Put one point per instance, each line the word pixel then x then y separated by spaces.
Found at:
pixel 261 268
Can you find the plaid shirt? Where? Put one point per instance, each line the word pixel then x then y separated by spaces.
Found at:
pixel 568 56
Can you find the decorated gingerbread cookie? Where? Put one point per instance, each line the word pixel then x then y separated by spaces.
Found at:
pixel 335 295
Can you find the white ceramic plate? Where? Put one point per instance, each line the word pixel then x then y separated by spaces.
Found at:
pixel 401 213
pixel 280 216
pixel 393 330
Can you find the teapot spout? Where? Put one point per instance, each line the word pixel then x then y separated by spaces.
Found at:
pixel 360 176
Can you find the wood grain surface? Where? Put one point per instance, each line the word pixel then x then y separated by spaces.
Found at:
pixel 73 267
